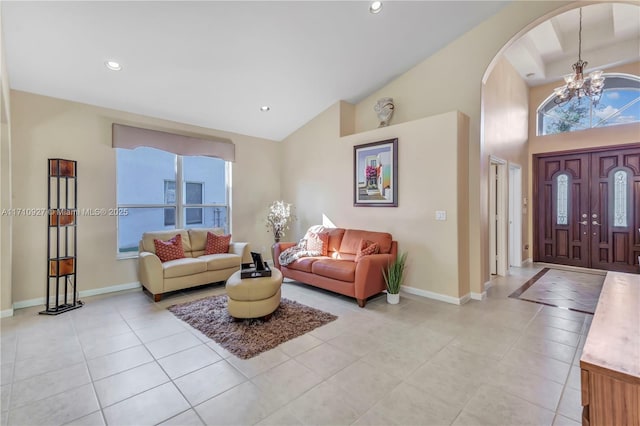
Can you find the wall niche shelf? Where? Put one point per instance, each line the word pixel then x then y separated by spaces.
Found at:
pixel 62 208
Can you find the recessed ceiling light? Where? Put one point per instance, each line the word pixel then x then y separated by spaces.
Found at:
pixel 264 108
pixel 113 65
pixel 376 7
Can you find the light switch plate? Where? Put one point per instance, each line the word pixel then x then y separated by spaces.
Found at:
pixel 441 215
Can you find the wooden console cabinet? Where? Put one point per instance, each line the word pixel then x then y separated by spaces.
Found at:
pixel 610 362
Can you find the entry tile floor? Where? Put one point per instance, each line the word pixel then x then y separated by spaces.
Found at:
pixel 124 360
pixel 577 291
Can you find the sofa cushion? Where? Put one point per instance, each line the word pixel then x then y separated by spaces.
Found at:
pixel 351 240
pixel 335 239
pixel 342 270
pixel 215 262
pixel 170 249
pixel 183 267
pixel 318 241
pixel 148 237
pixel 303 264
pixel 367 248
pixel 217 244
pixel 198 237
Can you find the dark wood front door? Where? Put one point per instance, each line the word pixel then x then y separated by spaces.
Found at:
pixel 587 210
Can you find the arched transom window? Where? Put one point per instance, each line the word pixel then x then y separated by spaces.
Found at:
pixel 619 104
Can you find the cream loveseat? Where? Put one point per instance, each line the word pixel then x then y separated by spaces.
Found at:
pixel 193 270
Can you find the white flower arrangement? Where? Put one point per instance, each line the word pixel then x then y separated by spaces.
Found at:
pixel 279 217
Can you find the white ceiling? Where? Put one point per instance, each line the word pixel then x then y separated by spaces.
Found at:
pixel 214 63
pixel 610 36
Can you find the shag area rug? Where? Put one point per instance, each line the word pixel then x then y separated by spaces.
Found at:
pixel 250 337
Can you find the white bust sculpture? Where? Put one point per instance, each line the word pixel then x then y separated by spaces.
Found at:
pixel 384 109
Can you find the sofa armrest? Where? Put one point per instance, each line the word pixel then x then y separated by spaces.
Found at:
pixel 279 248
pixel 369 279
pixel 150 272
pixel 241 249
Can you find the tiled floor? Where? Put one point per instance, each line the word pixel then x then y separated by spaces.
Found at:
pixel 123 360
pixel 577 291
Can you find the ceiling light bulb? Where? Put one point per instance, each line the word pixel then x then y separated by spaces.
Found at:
pixel 113 65
pixel 264 108
pixel 376 7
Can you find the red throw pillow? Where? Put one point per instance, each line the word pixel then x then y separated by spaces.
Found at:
pixel 217 244
pixel 318 242
pixel 170 249
pixel 366 248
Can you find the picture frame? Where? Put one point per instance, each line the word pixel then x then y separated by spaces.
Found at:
pixel 375 174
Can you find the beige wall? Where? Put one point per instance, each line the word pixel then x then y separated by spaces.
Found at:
pixel 505 122
pixel 5 183
pixel 45 127
pixel 451 79
pixel 432 155
pixel 591 138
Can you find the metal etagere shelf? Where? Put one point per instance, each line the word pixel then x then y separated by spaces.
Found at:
pixel 62 204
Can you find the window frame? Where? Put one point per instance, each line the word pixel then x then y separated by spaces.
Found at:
pixel 175 206
pixel 549 99
pixel 186 205
pixel 179 204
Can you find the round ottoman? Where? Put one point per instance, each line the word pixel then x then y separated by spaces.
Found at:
pixel 253 297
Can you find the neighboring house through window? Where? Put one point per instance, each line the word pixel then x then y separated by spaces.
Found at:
pixel 162 190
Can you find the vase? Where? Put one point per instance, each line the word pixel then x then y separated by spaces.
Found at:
pixel 393 299
pixel 273 250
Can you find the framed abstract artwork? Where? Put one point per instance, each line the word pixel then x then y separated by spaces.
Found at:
pixel 375 174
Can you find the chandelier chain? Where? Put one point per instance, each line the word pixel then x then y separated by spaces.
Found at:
pixel 580 38
pixel 577 84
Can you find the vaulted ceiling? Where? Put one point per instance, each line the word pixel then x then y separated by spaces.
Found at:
pixel 610 36
pixel 215 63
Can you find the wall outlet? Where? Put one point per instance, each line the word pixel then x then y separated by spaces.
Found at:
pixel 441 215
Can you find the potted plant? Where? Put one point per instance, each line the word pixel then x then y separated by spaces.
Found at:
pixel 279 218
pixel 393 276
pixel 277 221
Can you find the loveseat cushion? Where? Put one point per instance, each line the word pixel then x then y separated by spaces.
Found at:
pixel 342 270
pixel 304 263
pixel 216 262
pixel 217 244
pixel 148 237
pixel 183 267
pixel 351 240
pixel 169 250
pixel 198 237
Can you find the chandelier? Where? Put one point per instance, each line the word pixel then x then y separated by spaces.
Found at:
pixel 576 85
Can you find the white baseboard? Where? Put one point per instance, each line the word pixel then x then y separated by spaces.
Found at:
pixel 84 293
pixel 6 313
pixel 436 296
pixel 479 296
pixel 28 303
pixel 487 286
pixel 527 261
pixel 110 289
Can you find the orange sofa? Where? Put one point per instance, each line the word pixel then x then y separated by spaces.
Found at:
pixel 338 271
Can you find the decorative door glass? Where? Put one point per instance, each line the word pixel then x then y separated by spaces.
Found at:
pixel 620 198
pixel 563 199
